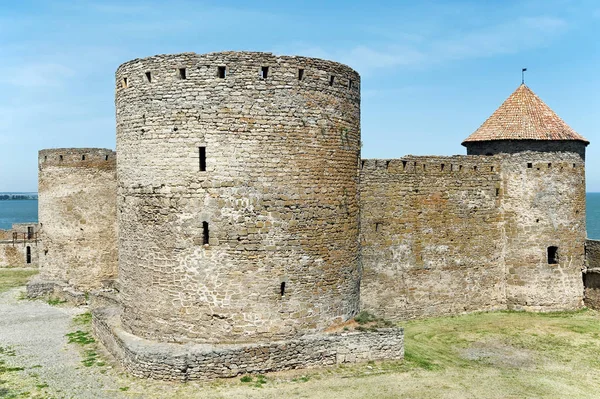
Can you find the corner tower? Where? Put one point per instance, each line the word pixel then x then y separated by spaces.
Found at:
pixel 542 199
pixel 237 196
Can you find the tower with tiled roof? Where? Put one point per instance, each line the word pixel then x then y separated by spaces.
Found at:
pixel 542 200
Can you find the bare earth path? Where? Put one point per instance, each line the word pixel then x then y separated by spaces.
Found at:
pixel 491 355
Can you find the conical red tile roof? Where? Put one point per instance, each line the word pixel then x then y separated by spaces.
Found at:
pixel 524 116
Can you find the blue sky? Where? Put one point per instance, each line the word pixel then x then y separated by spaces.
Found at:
pixel 432 71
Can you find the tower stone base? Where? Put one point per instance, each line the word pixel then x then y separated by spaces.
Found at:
pixel 166 361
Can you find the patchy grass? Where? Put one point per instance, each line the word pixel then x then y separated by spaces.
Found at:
pixel 80 337
pixel 14 278
pixel 83 319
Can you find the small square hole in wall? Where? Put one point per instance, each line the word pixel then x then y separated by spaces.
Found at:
pixel 378 226
pixel 83 157
pixel 149 77
pixel 182 73
pixel 387 164
pixel 574 165
pixel 331 80
pixel 60 157
pixel 552 255
pixel 475 168
pixel 124 83
pixel 459 167
pixel 221 72
pixel 300 74
pixel 549 165
pixel 529 165
pixel 264 72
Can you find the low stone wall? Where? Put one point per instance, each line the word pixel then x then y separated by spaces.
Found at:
pixel 14 254
pixel 40 288
pixel 148 359
pixel 591 277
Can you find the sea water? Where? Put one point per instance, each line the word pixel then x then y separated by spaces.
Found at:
pixel 26 211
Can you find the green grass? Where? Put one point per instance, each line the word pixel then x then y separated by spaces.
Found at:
pixel 83 319
pixel 80 337
pixel 14 278
pixel 55 301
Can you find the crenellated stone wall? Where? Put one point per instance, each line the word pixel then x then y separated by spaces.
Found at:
pixel 591 277
pixel 431 231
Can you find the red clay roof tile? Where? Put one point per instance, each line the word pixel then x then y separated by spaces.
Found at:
pixel 524 116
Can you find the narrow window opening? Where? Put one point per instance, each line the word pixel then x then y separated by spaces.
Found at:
pixel 282 288
pixel 491 168
pixel 350 84
pixel 124 83
pixel 149 77
pixel 45 157
pixel 182 73
pixel 264 72
pixel 300 74
pixel 222 71
pixel 459 167
pixel 497 192
pixel 475 167
pixel 442 167
pixel 362 164
pixel 403 165
pixel 106 157
pixel 202 158
pixel 28 255
pixel 83 157
pixel 573 165
pixel 537 220
pixel 29 232
pixel 331 80
pixel 549 165
pixel 552 255
pixel 529 165
pixel 424 166
pixel 60 157
pixel 205 233
pixel 377 227
pixel 387 164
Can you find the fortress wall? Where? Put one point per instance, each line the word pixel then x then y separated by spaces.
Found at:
pixel 278 196
pixel 591 278
pixel 430 229
pixel 77 195
pixel 544 205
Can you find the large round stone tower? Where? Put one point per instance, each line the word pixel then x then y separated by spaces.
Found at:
pixel 237 195
pixel 77 212
pixel 543 201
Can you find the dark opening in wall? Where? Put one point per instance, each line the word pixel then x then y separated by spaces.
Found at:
pixel 529 165
pixel 424 166
pixel 29 232
pixel 60 157
pixel 221 72
pixel 106 157
pixel 497 192
pixel 124 83
pixel 45 157
pixel 28 255
pixel 552 255
pixel 387 164
pixel 350 83
pixel 442 167
pixel 205 233
pixel 282 288
pixel 202 158
pixel 549 165
pixel 182 73
pixel 491 168
pixel 377 226
pixel 574 165
pixel 331 80
pixel 403 165
pixel 459 167
pixel 83 157
pixel 300 74
pixel 475 167
pixel 362 164
pixel 264 72
pixel 489 154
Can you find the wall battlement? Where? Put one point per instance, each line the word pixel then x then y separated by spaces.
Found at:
pixel 434 164
pixel 77 157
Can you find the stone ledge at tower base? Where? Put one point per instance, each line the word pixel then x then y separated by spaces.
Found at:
pixel 40 288
pixel 168 361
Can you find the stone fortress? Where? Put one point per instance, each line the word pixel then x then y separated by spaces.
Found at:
pixel 238 228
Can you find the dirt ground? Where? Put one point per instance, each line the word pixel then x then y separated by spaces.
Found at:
pixel 485 355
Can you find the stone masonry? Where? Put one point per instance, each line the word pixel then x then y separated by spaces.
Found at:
pixel 19 246
pixel 249 227
pixel 77 212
